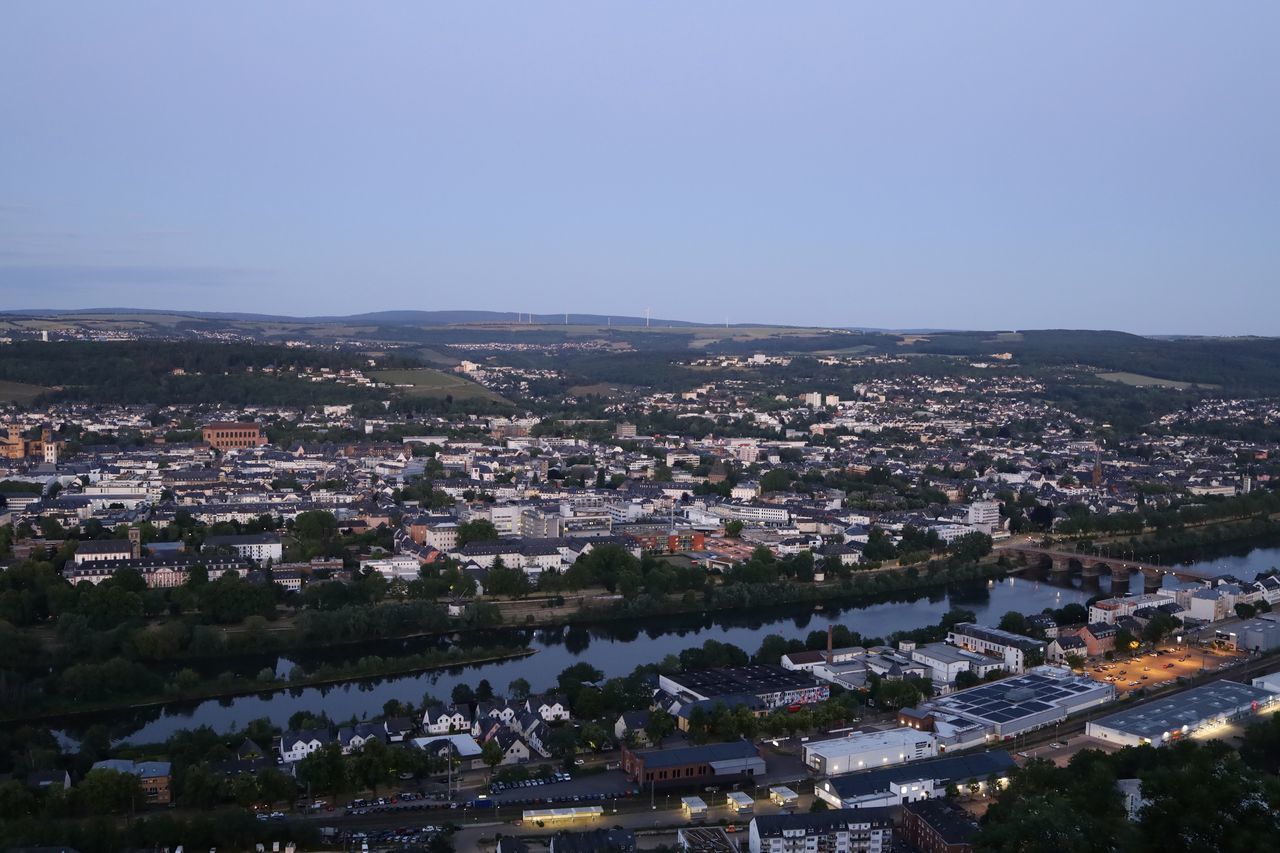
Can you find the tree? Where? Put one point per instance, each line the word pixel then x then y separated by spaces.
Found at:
pixel 659 726
pixel 324 769
pixel 1125 641
pixel 484 691
pixel 897 694
pixel 491 754
pixel 518 688
pixel 476 530
pixel 1245 610
pixel 733 528
pixel 108 792
pixel 462 694
pixel 372 764
pixel 1015 623
pixel 878 547
pixel 1075 661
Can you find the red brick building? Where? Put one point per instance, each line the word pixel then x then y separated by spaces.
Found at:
pixel 233 435
pixel 936 826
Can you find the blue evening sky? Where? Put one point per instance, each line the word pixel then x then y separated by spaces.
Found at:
pixel 975 165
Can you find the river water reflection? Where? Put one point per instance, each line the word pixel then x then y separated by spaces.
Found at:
pixel 616 648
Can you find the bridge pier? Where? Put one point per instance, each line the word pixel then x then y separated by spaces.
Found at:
pixel 1151 581
pixel 1120 579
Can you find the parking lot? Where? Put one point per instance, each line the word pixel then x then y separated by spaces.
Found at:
pixel 1061 751
pixel 592 787
pixel 1160 667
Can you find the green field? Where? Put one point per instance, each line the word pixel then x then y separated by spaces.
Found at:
pixel 19 392
pixel 1140 381
pixel 427 382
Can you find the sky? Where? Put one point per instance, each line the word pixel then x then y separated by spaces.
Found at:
pixel 898 165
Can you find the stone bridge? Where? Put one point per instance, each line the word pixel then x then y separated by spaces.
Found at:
pixel 1092 566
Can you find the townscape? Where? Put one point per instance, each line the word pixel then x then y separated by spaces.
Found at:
pixel 615 427
pixel 159 554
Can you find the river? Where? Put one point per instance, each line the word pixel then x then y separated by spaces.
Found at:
pixel 617 647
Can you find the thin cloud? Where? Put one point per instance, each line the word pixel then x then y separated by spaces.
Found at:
pixel 76 276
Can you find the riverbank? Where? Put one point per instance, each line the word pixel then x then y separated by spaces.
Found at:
pixel 183 690
pixel 1207 542
pixel 549 612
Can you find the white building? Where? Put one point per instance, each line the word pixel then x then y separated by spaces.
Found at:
pixel 1013 649
pixel 865 750
pixel 984 515
pixel 1110 609
pixel 255 546
pixel 836 830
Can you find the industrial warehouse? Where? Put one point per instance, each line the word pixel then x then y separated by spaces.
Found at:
pixel 865 750
pixel 1042 697
pixel 773 686
pixel 922 780
pixel 1182 715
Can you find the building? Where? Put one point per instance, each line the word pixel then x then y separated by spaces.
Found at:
pixel 297 745
pixel 1258 635
pixel 154 777
pixel 157 572
pixel 946 662
pixel 616 840
pixel 774 686
pixel 14 446
pixel 864 750
pixel 1110 609
pixel 693 763
pixel 1191 712
pixel 233 435
pixel 843 830
pixel 908 783
pixel 936 826
pixel 1003 709
pixel 1017 652
pixel 253 546
pixel 96 550
pixel 704 839
pixel 984 515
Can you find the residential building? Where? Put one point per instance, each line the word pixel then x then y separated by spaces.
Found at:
pixel 253 546
pixel 842 830
pixel 937 826
pixel 154 777
pixel 1017 652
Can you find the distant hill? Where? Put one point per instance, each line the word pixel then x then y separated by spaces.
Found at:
pixel 382 318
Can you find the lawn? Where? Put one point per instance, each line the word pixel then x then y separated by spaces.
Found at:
pixel 426 382
pixel 19 392
pixel 1140 381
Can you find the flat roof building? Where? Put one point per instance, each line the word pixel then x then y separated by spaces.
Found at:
pixel 693 763
pixel 1182 715
pixel 774 686
pixel 907 783
pixel 844 830
pixel 865 750
pixel 1042 697
pixel 937 826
